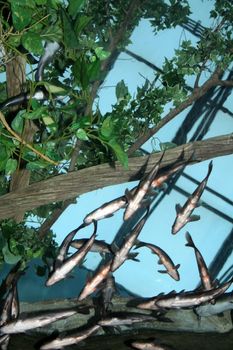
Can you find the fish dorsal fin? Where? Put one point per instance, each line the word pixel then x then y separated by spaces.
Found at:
pixel 128 195
pixel 178 208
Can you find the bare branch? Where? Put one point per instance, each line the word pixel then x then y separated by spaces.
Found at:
pixel 226 83
pixel 66 186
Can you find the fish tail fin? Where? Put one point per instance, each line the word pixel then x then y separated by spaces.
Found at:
pixel 209 169
pixel 190 242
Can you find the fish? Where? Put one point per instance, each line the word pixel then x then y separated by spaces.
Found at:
pixel 99 276
pixel 15 303
pixel 6 308
pixel 107 292
pixel 223 303
pixel 149 346
pixel 4 341
pixel 106 210
pixel 124 318
pixel 184 213
pixel 24 324
pixel 10 307
pixel 135 200
pixel 164 259
pixel 76 338
pixel 62 271
pixel 206 280
pixel 164 175
pixel 49 51
pixel 181 300
pixel 99 246
pixel 122 254
pixel 64 247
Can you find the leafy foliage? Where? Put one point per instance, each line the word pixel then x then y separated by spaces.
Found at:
pixel 20 242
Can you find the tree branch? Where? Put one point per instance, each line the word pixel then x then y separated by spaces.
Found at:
pixel 197 93
pixel 66 186
pixel 226 83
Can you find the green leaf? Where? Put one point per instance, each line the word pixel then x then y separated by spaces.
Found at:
pixel 102 54
pixel 33 43
pixel 2 241
pixel 9 258
pixel 18 122
pixel 14 40
pixel 80 73
pixel 121 91
pixel 36 114
pixel 54 89
pixel 36 165
pixel 81 23
pixel 75 6
pixel 22 13
pixel 70 38
pixel 120 153
pixel 82 135
pixel 4 154
pixel 93 70
pixel 11 166
pixel 107 128
pixel 41 2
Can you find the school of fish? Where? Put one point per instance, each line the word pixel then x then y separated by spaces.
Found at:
pixel 203 300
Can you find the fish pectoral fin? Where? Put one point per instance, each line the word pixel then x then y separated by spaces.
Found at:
pixel 132 256
pixel 194 218
pixel 162 271
pixel 177 266
pixel 178 208
pixel 159 261
pixel 128 195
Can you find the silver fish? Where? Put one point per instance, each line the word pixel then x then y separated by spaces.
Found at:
pixel 63 249
pixel 68 265
pixel 149 346
pixel 135 200
pixel 108 291
pixel 164 175
pixel 59 343
pixel 223 303
pixel 106 210
pixel 184 213
pixel 164 259
pixel 98 246
pixel 191 299
pixel 100 275
pixel 6 308
pixel 25 324
pixel 125 319
pixel 122 254
pixel 206 280
pixel 4 341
